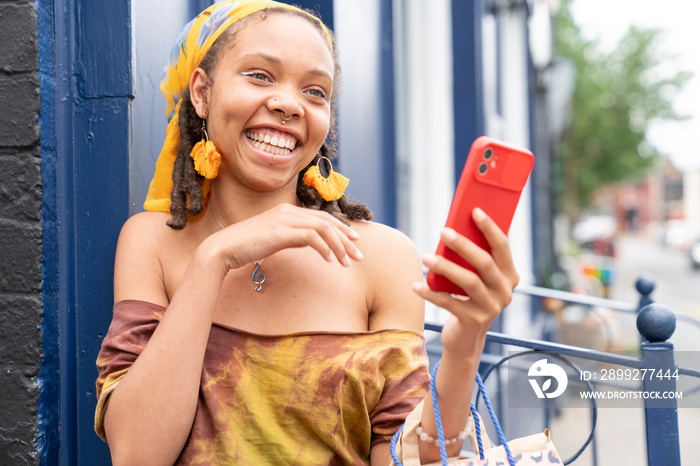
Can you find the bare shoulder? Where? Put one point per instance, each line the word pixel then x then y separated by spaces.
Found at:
pixel 144 231
pixel 383 241
pixel 138 269
pixel 391 266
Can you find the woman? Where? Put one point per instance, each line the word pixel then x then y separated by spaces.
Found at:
pixel 259 318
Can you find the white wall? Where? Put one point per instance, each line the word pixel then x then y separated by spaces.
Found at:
pixel 356 27
pixel 424 121
pixel 155 26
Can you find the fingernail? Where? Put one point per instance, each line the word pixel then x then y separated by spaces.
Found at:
pixel 429 260
pixel 359 254
pixel 353 234
pixel 346 260
pixel 449 234
pixel 417 286
pixel 479 214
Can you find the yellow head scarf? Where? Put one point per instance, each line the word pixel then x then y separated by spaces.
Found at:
pixel 191 45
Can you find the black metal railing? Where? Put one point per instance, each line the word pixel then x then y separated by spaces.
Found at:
pixel 655 323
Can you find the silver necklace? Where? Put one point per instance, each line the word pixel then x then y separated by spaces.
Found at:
pixel 258 277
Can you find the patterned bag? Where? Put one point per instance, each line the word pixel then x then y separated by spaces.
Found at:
pixel 536 449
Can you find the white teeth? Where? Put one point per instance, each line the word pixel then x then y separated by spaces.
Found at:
pixel 272 144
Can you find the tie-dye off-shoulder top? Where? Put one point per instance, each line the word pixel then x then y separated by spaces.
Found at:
pixel 316 398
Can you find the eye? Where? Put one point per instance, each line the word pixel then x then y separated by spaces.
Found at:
pixel 316 92
pixel 258 75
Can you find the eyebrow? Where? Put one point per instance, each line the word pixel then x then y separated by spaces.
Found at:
pixel 276 61
pixel 264 56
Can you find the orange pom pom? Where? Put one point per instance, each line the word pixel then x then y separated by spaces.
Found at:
pixel 330 188
pixel 206 159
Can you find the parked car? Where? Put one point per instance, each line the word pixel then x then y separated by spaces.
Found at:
pixel 679 234
pixel 695 254
pixel 596 234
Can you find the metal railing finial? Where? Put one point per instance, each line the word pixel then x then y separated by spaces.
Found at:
pixel 656 322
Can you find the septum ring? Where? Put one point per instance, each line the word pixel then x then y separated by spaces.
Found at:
pixel 285 119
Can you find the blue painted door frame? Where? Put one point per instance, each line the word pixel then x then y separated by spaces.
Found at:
pixel 468 78
pixel 85 69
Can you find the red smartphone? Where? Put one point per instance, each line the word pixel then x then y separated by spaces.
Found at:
pixel 493 178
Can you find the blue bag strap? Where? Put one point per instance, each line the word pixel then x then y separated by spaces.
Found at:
pixel 392 445
pixel 438 419
pixel 477 426
pixel 494 419
pixel 477 429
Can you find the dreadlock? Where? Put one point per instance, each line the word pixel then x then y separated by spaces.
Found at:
pixel 187 197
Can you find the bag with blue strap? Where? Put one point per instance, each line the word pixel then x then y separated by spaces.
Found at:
pixel 535 450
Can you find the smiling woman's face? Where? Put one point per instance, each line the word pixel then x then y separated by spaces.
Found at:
pixel 278 65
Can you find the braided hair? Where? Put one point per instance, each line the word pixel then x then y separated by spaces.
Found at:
pixel 187 197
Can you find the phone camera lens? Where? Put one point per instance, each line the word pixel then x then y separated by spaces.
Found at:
pixel 483 168
pixel 488 153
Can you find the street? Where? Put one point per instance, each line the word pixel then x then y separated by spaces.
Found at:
pixel 677 284
pixel 620 433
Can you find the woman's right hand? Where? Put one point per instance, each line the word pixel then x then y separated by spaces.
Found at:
pixel 282 227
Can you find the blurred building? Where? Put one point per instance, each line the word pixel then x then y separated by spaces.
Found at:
pixel 665 205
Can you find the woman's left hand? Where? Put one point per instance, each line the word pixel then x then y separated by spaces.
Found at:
pixel 489 290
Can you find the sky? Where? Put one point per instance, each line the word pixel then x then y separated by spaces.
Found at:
pixel 608 20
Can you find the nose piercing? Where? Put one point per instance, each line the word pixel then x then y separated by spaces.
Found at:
pixel 285 119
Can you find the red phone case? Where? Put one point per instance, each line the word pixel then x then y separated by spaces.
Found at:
pixel 493 179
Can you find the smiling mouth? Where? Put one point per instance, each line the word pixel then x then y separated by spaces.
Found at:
pixel 276 145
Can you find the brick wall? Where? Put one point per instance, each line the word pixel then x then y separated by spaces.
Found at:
pixel 20 233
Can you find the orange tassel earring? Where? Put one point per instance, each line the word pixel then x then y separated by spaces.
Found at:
pixel 330 187
pixel 206 157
